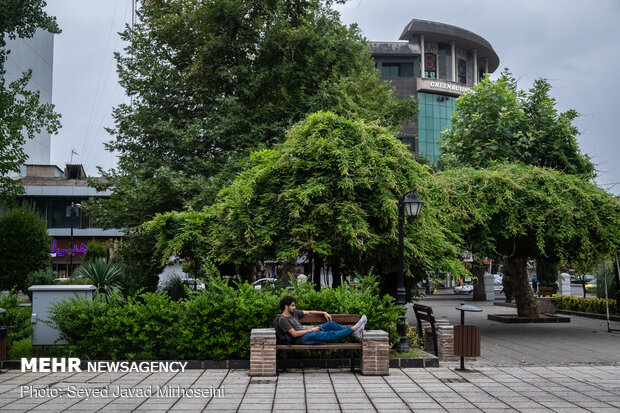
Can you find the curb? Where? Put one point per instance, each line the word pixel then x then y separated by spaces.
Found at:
pixel 431 361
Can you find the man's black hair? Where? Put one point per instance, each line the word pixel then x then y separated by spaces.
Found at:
pixel 286 300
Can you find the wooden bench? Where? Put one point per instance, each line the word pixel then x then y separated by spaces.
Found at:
pixel 425 313
pixel 545 291
pixel 374 346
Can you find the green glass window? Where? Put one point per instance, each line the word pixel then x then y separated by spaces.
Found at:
pixel 435 116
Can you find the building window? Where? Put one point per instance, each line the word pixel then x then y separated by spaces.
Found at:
pixel 397 70
pixel 462 71
pixel 435 115
pixel 430 65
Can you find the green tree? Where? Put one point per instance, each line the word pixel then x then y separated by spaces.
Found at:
pixel 328 192
pixel 21 114
pixel 26 246
pixel 523 212
pixel 498 123
pixel 211 81
pixel 94 250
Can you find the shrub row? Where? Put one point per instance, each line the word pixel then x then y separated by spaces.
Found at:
pixel 214 323
pixel 16 318
pixel 586 305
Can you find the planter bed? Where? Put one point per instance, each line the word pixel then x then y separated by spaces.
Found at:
pixel 590 315
pixel 513 318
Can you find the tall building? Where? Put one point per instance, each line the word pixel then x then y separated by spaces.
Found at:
pixel 35 53
pixel 435 63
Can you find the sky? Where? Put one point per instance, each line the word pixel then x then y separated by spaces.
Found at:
pixel 575 44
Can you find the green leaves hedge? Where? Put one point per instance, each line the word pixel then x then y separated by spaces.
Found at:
pixel 214 323
pixel 586 305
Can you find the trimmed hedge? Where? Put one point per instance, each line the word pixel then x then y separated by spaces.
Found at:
pixel 214 323
pixel 16 318
pixel 586 305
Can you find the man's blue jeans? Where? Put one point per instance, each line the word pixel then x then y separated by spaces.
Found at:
pixel 330 331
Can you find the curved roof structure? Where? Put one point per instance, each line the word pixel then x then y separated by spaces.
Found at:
pixel 441 32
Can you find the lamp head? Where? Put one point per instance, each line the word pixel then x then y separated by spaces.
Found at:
pixel 413 205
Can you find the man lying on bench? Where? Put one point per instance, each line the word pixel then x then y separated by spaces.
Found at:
pixel 329 331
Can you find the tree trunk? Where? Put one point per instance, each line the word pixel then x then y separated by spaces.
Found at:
pixel 316 274
pixel 478 271
pixel 336 276
pixel 526 305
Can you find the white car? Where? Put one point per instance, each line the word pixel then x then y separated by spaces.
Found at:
pixel 261 282
pixel 465 289
pixel 258 284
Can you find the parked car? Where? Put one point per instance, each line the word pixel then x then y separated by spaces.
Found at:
pixel 579 279
pixel 269 283
pixel 464 289
pixel 591 286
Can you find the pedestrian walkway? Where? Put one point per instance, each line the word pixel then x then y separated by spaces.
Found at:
pixel 487 389
pixel 583 340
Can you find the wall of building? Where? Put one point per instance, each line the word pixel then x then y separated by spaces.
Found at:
pixel 36 53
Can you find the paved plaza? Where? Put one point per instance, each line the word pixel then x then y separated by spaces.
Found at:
pixel 572 367
pixel 487 389
pixel 583 340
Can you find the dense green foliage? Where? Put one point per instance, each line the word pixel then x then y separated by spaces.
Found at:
pixel 26 246
pixel 16 318
pixel 211 81
pixel 523 212
pixel 532 212
pixel 497 123
pixel 329 192
pixel 95 249
pixel 40 277
pixel 21 114
pixel 586 305
pixel 214 323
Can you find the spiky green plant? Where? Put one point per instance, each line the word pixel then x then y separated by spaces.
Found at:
pixel 106 276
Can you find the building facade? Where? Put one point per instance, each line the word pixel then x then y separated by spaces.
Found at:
pixel 53 192
pixel 37 54
pixel 435 63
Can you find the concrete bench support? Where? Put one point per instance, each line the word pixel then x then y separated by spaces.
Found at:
pixel 375 353
pixel 263 352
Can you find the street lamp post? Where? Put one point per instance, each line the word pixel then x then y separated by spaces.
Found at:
pixel 71 241
pixel 411 205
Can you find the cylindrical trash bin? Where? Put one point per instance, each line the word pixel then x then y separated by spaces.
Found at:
pixel 466 338
pixel 466 341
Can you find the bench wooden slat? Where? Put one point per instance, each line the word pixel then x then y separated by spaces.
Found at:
pixel 335 346
pixel 545 291
pixel 338 318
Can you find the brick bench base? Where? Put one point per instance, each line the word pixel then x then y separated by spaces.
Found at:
pixel 375 348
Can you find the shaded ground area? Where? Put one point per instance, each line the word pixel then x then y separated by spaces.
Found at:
pixel 583 340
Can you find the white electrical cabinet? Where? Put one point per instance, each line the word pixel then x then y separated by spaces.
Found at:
pixel 43 296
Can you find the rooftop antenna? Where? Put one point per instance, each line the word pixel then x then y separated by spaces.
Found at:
pixel 73 152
